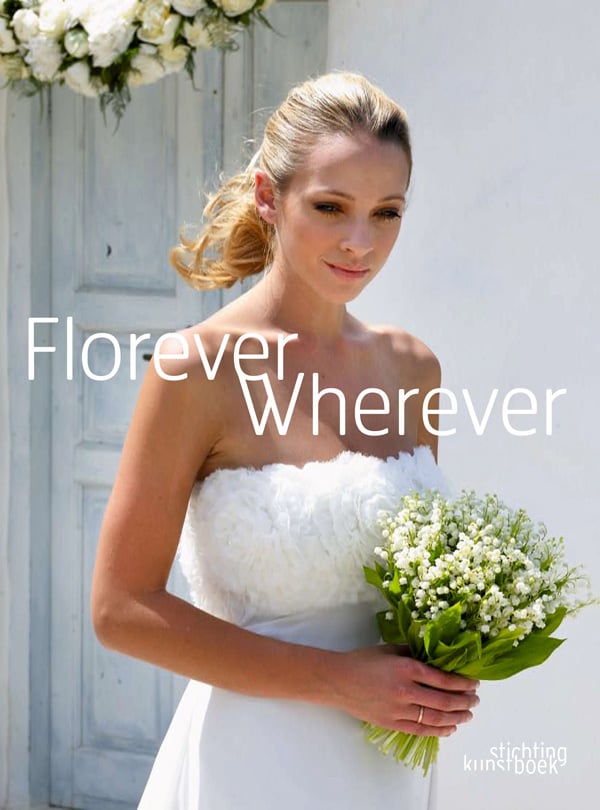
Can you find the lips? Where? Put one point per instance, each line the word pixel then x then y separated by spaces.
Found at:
pixel 356 271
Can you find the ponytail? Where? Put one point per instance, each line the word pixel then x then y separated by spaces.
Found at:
pixel 233 231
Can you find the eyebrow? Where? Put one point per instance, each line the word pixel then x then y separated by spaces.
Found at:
pixel 350 197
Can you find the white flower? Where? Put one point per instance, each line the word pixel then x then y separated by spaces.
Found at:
pixel 44 57
pixel 188 7
pixel 197 34
pixel 26 24
pixel 76 43
pixel 152 16
pixel 106 45
pixel 78 79
pixel 55 17
pixel 7 41
pixel 13 67
pixel 160 35
pixel 146 69
pixel 103 15
pixel 110 27
pixel 173 58
pixel 234 7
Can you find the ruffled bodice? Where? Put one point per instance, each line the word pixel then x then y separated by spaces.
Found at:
pixel 258 544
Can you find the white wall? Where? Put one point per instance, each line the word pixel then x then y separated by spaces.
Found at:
pixel 497 270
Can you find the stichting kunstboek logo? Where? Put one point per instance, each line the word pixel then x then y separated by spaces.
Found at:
pixel 520 759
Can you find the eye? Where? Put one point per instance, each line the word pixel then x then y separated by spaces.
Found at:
pixel 327 208
pixel 390 213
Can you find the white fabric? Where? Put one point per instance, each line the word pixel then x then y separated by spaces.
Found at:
pixel 279 550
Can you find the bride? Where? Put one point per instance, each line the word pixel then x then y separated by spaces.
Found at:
pixel 274 525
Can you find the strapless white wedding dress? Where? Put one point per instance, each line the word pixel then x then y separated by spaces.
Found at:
pixel 279 550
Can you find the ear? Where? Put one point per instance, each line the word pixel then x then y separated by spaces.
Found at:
pixel 264 197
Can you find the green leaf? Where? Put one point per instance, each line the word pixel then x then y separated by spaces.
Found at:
pixel 404 617
pixel 372 577
pixel 449 622
pixel 444 628
pixel 500 645
pixel 394 586
pixel 530 652
pixel 431 638
pixel 389 630
pixel 466 648
pixel 450 661
pixel 415 641
pixel 553 621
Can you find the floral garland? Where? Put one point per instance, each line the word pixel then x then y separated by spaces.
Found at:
pixel 102 49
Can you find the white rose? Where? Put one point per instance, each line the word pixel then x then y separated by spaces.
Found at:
pixel 93 15
pixel 188 7
pixel 197 34
pixel 26 24
pixel 55 17
pixel 78 78
pixel 153 13
pixel 44 57
pixel 12 67
pixel 145 70
pixel 157 36
pixel 76 43
pixel 234 7
pixel 8 43
pixel 106 46
pixel 173 58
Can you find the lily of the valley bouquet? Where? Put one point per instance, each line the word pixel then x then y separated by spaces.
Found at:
pixel 102 49
pixel 474 588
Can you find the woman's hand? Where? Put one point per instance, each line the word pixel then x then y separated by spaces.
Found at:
pixel 387 688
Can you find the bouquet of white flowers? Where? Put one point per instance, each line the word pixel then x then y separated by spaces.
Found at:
pixel 474 588
pixel 104 49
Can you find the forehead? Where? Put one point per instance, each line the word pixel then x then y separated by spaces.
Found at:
pixel 354 161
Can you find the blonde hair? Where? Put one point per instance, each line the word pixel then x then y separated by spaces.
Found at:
pixel 241 242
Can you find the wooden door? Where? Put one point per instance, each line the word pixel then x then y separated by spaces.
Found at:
pixel 117 203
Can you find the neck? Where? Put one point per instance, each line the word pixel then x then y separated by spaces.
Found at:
pixel 290 304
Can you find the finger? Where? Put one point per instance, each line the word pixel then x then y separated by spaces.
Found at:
pixel 421 729
pixel 431 676
pixel 442 700
pixel 425 715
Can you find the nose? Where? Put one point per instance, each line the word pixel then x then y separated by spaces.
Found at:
pixel 357 239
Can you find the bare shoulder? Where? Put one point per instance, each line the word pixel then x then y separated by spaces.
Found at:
pixel 196 348
pixel 411 353
pixel 180 416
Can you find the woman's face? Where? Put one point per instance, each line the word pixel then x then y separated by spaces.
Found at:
pixel 338 219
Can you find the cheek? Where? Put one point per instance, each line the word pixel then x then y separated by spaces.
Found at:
pixel 313 236
pixel 389 239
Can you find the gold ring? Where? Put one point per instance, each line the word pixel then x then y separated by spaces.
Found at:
pixel 420 717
